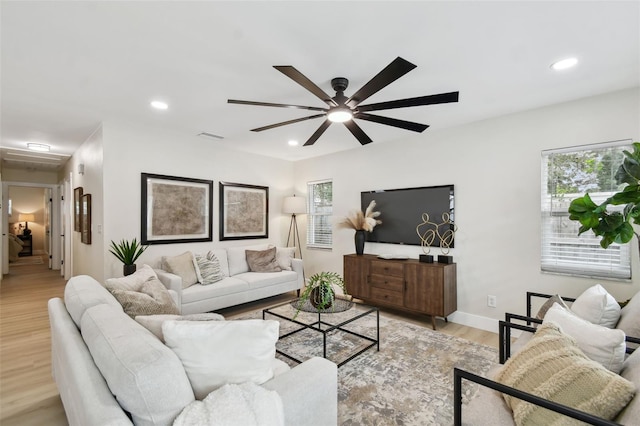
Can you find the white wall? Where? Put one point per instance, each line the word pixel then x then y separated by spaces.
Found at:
pixel 88 258
pixel 495 167
pixel 130 150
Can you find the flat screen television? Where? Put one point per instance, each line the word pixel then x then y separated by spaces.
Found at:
pixel 401 212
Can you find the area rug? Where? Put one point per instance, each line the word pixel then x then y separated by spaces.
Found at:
pixel 408 382
pixel 24 261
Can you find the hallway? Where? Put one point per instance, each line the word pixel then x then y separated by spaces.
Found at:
pixel 28 395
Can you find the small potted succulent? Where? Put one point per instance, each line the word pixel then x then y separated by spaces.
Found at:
pixel 127 253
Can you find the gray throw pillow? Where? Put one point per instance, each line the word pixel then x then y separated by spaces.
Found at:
pixel 263 260
pixel 548 304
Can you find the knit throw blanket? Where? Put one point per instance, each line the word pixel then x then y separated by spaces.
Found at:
pixel 246 404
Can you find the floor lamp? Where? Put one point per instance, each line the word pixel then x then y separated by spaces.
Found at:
pixel 293 206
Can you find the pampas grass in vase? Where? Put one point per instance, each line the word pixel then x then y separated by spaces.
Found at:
pixel 361 222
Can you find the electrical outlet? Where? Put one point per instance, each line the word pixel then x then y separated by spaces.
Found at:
pixel 491 301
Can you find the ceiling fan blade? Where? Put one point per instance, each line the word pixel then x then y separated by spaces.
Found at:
pixel 388 75
pixel 357 132
pixel 303 81
pixel 314 137
pixel 441 98
pixel 407 125
pixel 269 104
pixel 284 123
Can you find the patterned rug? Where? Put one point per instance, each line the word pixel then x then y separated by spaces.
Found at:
pixel 408 382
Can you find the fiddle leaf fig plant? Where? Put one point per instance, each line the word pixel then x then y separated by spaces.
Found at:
pixel 614 226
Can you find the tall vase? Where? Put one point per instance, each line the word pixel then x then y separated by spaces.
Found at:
pixel 128 269
pixel 359 240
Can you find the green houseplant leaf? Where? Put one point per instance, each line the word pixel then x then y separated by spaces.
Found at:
pixel 613 226
pixel 127 252
pixel 322 285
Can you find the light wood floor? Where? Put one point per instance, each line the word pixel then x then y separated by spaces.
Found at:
pixel 28 395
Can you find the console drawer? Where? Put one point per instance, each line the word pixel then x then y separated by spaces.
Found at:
pixel 387 268
pixel 387 282
pixel 385 296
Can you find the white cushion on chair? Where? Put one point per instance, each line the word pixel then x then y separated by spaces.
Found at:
pixel 597 306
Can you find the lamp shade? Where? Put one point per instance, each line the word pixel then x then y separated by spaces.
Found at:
pixel 24 217
pixel 294 205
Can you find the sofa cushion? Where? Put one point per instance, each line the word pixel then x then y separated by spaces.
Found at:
pixel 267 279
pixel 153 323
pixel 208 269
pixel 228 285
pixel 238 259
pixel 629 321
pixel 553 367
pixel 83 292
pixel 221 255
pixel 183 266
pixel 597 306
pixel 151 298
pixel 217 352
pixel 145 376
pixel 631 372
pixel 603 345
pixel 131 282
pixel 284 256
pixel 263 260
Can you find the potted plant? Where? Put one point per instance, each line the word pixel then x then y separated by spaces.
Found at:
pixel 321 290
pixel 127 253
pixel 361 223
pixel 613 226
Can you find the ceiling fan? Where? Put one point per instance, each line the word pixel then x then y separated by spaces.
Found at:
pixel 343 110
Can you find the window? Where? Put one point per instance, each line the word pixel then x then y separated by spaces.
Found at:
pixel 568 174
pixel 320 209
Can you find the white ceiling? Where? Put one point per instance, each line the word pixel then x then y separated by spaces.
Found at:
pixel 67 66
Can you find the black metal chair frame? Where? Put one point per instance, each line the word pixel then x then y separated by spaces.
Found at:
pixel 504 335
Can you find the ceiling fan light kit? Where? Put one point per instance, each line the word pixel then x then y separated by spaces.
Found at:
pixel 345 110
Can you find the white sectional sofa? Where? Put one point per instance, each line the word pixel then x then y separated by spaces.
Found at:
pixel 240 284
pixel 110 370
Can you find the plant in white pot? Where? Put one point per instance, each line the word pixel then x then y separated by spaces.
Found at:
pixel 127 253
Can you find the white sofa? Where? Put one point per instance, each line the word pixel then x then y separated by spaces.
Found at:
pixel 110 370
pixel 240 285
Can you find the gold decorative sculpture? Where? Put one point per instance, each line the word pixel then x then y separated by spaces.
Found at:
pixel 433 231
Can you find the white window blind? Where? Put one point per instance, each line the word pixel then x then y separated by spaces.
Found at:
pixel 319 233
pixel 568 174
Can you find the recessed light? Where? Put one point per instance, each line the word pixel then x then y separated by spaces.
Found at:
pixel 293 142
pixel 38 147
pixel 159 105
pixel 564 64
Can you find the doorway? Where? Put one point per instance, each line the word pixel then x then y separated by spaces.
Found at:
pixel 31 225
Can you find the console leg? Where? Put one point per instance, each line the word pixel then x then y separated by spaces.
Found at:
pixel 433 322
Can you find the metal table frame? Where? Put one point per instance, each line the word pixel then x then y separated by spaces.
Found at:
pixel 317 326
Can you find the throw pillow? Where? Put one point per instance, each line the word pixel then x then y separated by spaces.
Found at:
pixel 209 267
pixel 553 367
pixel 183 266
pixel 214 353
pixel 630 317
pixel 263 260
pixel 153 323
pixel 548 304
pixel 596 305
pixel 131 282
pixel 603 345
pixel 284 256
pixel 151 298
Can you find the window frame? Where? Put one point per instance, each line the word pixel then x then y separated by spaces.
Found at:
pixel 313 232
pixel 569 254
